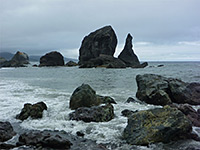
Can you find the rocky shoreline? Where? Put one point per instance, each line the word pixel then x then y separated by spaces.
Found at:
pixel 172 122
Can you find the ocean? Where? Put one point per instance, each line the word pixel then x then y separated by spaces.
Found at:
pixel 54 86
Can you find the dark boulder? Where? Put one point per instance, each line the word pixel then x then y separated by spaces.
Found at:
pixel 85 96
pixel 52 59
pixel 132 100
pixel 157 125
pixel 20 59
pixel 45 139
pixel 127 113
pixel 6 131
pixel 93 114
pixel 182 92
pixel 152 89
pixel 190 113
pixel 158 90
pixel 101 41
pixel 128 56
pixel 34 111
pixel 71 64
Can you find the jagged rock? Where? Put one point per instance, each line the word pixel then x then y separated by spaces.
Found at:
pixel 85 96
pixel 158 90
pixel 190 113
pixel 128 56
pixel 47 139
pixel 34 111
pixel 157 125
pixel 132 100
pixel 52 59
pixel 71 64
pixel 105 61
pixel 127 113
pixel 152 89
pixel 18 60
pixel 101 41
pixel 6 131
pixel 93 114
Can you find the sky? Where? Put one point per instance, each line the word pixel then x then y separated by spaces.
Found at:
pixel 163 30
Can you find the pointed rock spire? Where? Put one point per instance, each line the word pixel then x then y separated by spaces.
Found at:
pixel 127 55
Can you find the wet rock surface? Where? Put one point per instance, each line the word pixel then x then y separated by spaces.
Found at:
pixel 157 125
pixel 52 59
pixel 191 114
pixel 85 96
pixel 34 111
pixel 6 131
pixel 159 90
pixel 93 114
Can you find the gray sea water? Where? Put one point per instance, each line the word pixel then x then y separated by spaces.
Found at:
pixel 54 86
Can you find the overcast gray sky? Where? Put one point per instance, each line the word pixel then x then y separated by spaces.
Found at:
pixel 162 29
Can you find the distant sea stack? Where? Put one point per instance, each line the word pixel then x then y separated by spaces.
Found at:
pixel 52 59
pixel 128 56
pixel 18 60
pixel 97 50
pixel 100 42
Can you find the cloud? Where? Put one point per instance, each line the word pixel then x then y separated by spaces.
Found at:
pixel 194 43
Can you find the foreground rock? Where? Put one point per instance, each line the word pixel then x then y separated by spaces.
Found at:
pixel 93 114
pixel 34 111
pixel 46 139
pixel 6 131
pixel 71 64
pixel 128 56
pixel 157 125
pixel 190 113
pixel 20 59
pixel 158 90
pixel 85 96
pixel 52 59
pixel 102 41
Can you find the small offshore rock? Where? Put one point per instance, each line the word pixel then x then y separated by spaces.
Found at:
pixel 106 99
pixel 132 100
pixel 71 64
pixel 160 66
pixel 93 114
pixel 6 131
pixel 52 59
pixel 20 59
pixel 127 113
pixel 157 125
pixel 34 111
pixel 79 133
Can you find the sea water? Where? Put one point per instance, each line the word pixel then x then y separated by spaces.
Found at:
pixel 54 86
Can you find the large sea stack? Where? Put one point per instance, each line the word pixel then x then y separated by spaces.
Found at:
pixel 52 59
pixel 128 56
pixel 102 41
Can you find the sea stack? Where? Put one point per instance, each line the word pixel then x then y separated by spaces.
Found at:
pixel 100 42
pixel 52 59
pixel 127 55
